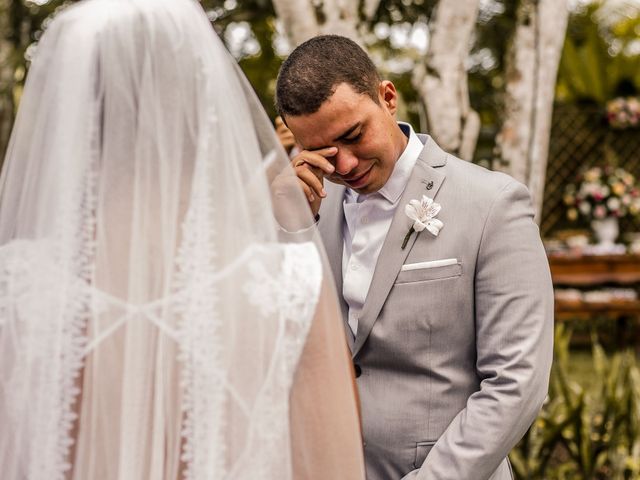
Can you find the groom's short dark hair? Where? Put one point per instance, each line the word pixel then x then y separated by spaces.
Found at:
pixel 314 70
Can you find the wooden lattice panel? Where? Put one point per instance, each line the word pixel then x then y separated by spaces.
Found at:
pixel 579 136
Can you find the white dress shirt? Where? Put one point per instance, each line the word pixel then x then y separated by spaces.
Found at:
pixel 367 219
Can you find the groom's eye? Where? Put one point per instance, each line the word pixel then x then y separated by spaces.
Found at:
pixel 354 138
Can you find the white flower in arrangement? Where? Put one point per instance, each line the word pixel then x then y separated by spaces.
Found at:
pixel 423 213
pixel 586 188
pixel 613 203
pixel 585 208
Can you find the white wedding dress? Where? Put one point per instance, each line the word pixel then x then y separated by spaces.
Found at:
pixel 155 321
pixel 45 333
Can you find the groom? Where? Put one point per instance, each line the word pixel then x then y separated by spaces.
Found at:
pixel 450 317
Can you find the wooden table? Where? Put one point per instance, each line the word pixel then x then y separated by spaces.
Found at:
pixel 566 309
pixel 598 272
pixel 594 270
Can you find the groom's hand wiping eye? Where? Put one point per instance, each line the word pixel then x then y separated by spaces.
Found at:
pixel 311 166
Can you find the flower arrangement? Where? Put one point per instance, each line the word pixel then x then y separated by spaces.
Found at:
pixel 603 192
pixel 623 112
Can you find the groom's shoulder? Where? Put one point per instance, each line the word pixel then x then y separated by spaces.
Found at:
pixel 464 175
pixel 478 174
pixel 458 170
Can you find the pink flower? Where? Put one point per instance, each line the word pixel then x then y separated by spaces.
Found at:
pixel 600 212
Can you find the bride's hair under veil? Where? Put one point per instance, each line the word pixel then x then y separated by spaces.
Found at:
pixel 154 321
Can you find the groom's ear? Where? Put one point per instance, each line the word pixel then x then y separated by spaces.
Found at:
pixel 388 96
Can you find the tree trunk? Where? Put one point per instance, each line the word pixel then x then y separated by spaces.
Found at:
pixel 298 18
pixel 531 70
pixel 441 81
pixel 341 18
pixel 303 19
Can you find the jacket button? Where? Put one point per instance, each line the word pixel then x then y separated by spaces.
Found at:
pixel 358 370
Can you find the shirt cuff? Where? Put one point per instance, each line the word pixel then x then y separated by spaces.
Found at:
pixel 303 230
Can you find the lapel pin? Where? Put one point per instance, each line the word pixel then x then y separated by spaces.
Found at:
pixel 429 185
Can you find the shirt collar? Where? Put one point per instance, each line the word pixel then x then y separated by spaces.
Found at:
pixel 392 190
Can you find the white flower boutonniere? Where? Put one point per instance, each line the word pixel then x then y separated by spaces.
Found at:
pixel 423 213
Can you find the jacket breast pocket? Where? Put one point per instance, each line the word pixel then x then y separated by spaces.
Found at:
pixel 427 274
pixel 422 450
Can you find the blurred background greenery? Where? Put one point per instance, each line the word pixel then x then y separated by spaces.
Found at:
pixel 600 59
pixel 589 427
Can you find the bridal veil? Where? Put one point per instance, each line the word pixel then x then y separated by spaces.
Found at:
pixel 155 322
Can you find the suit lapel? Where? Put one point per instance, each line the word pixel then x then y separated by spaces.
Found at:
pixel 330 226
pixel 425 179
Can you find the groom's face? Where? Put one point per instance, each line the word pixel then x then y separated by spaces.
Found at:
pixel 365 133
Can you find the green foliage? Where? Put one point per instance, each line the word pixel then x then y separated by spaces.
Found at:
pixel 487 78
pixel 21 25
pixel 589 47
pixel 585 432
pixel 260 68
pixel 599 60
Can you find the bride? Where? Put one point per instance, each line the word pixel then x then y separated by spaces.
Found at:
pixel 155 320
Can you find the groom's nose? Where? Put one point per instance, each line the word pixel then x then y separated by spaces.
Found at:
pixel 345 161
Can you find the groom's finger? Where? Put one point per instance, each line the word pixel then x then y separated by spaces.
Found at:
pixel 316 158
pixel 312 177
pixel 307 192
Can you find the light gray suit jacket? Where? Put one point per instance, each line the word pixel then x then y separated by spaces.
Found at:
pixel 454 360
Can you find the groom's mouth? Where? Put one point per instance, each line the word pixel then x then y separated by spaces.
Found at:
pixel 358 181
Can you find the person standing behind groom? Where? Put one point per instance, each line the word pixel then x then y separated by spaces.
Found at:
pixel 447 296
